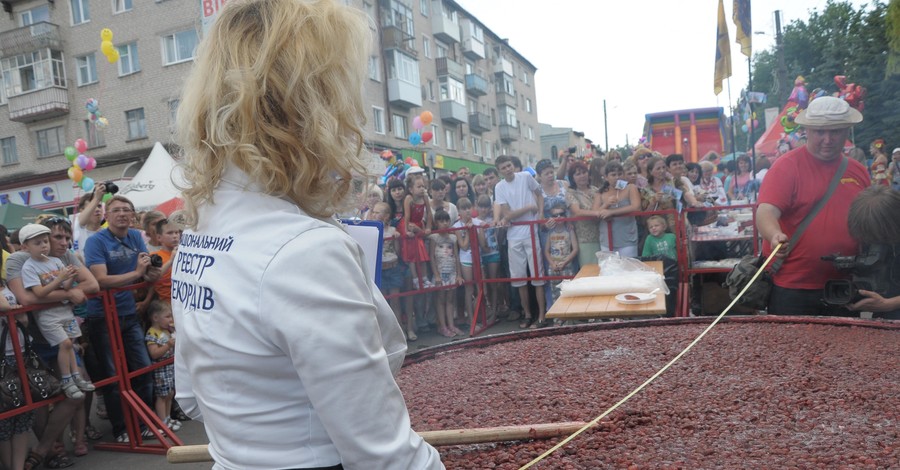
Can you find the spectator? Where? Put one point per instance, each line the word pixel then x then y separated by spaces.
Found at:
pixel 489 244
pixel 762 167
pixel 711 185
pixel 464 241
pixel 161 346
pixel 464 173
pixel 561 248
pixel 612 203
pixel 89 218
pixel 518 199
pixel 491 178
pixel 461 188
pixel 417 223
pixel 14 431
pixel 148 225
pixel 373 196
pixel 553 191
pixel 740 187
pixel 479 185
pixel 393 272
pixel 676 167
pixel 580 199
pixel 169 235
pixel 659 241
pixel 439 200
pixel 117 257
pixel 447 272
pixel 395 197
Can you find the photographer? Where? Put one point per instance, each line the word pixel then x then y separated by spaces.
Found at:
pixel 873 220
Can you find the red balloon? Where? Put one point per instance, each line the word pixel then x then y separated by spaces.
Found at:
pixel 427 136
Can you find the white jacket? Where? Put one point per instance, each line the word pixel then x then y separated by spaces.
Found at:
pixel 285 347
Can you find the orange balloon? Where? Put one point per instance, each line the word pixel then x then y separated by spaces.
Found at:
pixel 426 117
pixel 75 174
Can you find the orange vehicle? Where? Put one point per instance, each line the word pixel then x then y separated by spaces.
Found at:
pixel 690 132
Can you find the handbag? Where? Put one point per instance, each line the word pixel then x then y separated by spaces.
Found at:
pixel 41 381
pixel 11 395
pixel 757 295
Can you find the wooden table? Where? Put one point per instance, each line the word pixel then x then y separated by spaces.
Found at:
pixel 605 306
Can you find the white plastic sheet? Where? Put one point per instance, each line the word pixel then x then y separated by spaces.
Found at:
pixel 618 275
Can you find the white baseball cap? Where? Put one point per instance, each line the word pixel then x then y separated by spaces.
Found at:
pixel 32 230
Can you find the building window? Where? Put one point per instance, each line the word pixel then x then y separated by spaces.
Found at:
pixel 378 119
pixel 374 68
pixel 400 130
pixel 488 151
pixel 435 136
pixel 450 137
pixel 426 46
pixel 50 141
pixel 405 68
pixel 120 6
pixel 424 7
pixel 179 47
pixel 94 135
pixel 34 15
pixel 453 90
pixel 34 70
pixel 128 59
pixel 87 69
pixel 431 90
pixel 10 155
pixel 442 49
pixel 528 105
pixel 137 125
pixel 476 146
pixel 81 13
pixel 530 133
pixel 508 116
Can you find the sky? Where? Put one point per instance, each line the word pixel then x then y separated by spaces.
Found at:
pixel 641 56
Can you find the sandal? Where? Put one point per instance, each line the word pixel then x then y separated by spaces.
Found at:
pixel 513 315
pixel 92 433
pixel 80 449
pixel 58 461
pixel 411 335
pixel 526 321
pixel 33 460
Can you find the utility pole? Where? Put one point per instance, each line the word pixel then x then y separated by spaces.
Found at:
pixel 605 129
pixel 784 86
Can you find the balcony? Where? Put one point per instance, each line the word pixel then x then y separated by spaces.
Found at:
pixel 509 133
pixel 451 111
pixel 505 99
pixel 443 28
pixel 41 35
pixel 46 103
pixel 476 85
pixel 393 37
pixel 480 122
pixel 447 66
pixel 503 66
pixel 472 40
pixel 404 94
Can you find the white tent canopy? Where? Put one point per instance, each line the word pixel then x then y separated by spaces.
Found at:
pixel 152 185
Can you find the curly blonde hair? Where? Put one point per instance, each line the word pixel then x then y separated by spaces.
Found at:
pixel 277 91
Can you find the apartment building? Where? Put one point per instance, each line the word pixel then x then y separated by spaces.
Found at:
pixel 426 55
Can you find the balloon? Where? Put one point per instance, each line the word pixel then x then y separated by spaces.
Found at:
pixel 414 164
pixel 113 58
pixel 102 122
pixel 107 48
pixel 70 153
pixel 426 117
pixel 387 155
pixel 106 197
pixel 755 123
pixel 408 160
pixel 91 164
pixel 427 136
pixel 417 123
pixel 531 171
pixel 744 128
pixel 106 34
pixel 75 174
pixel 94 117
pixel 415 138
pixel 80 145
pixel 82 161
pixel 87 184
pixel 92 105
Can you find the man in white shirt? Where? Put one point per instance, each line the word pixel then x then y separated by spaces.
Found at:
pixel 518 198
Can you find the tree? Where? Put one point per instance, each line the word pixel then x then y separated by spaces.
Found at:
pixel 843 40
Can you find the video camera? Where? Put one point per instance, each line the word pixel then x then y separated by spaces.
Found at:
pixel 869 270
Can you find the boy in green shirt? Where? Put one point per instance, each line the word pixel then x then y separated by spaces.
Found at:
pixel 659 242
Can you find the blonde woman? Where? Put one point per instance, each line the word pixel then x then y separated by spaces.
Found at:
pixel 284 342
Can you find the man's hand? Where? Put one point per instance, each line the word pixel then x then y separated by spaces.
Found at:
pixel 874 302
pixel 781 237
pixel 76 296
pixel 152 274
pixel 143 263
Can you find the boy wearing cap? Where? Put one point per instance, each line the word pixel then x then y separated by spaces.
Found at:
pixel 793 185
pixel 42 274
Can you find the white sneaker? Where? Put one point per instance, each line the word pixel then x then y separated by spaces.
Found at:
pixel 84 385
pixel 173 424
pixel 72 391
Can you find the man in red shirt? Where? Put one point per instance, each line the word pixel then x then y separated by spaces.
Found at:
pixel 793 185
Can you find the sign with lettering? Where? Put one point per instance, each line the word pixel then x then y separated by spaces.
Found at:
pixel 209 9
pixel 39 195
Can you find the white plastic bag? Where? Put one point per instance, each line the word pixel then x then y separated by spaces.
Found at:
pixel 618 275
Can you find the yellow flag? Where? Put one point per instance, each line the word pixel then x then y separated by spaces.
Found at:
pixel 742 26
pixel 723 51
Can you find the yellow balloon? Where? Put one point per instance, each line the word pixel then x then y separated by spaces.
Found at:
pixel 107 48
pixel 75 174
pixel 113 58
pixel 106 34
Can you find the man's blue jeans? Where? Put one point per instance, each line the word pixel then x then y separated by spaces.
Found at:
pixel 137 358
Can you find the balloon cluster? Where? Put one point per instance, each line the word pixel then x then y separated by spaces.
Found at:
pixel 419 122
pixel 852 93
pixel 93 109
pixel 106 46
pixel 397 168
pixel 787 121
pixel 799 96
pixel 748 119
pixel 81 164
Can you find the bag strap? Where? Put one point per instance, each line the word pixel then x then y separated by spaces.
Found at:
pixel 815 210
pixel 27 343
pixel 4 335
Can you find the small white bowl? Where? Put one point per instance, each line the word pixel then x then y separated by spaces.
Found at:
pixel 642 298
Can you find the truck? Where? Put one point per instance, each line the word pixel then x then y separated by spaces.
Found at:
pixel 690 132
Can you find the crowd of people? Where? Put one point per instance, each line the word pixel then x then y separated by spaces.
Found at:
pixel 63 264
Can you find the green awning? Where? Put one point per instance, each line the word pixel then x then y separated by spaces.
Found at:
pixel 14 216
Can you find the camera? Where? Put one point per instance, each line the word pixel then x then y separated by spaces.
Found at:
pixel 111 187
pixel 572 150
pixel 869 270
pixel 156 261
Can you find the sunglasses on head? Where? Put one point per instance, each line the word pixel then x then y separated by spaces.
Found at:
pixel 558 214
pixel 57 221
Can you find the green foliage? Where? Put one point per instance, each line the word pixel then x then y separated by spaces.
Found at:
pixel 843 40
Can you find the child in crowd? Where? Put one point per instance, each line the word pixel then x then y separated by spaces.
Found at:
pixel 43 274
pixel 464 205
pixel 447 272
pixel 160 340
pixel 631 172
pixel 396 196
pixel 148 226
pixel 439 200
pixel 562 247
pixel 15 431
pixel 169 235
pixel 416 223
pixel 489 246
pixel 393 272
pixel 659 242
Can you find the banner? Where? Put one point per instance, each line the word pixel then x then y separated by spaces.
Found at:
pixel 723 51
pixel 743 33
